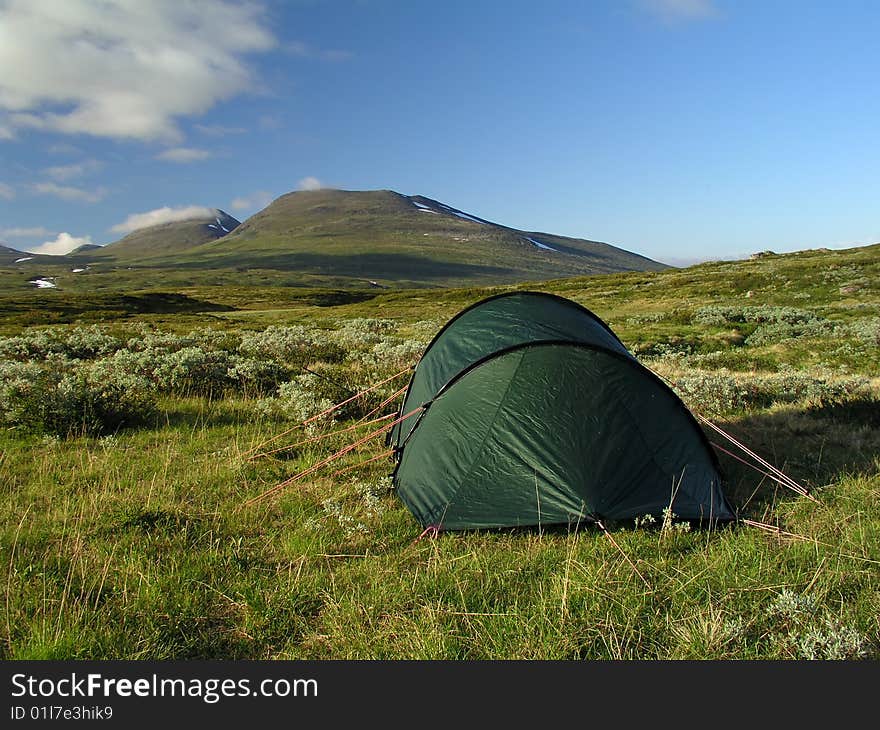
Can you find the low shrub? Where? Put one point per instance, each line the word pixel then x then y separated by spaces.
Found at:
pixel 292 346
pixel 79 343
pixel 64 398
pixel 722 393
pixel 720 315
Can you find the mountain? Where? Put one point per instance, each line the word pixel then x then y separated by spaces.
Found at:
pixel 383 236
pixel 10 255
pixel 85 248
pixel 379 238
pixel 160 241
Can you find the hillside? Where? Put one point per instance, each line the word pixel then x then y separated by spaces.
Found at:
pixel 9 255
pixel 159 241
pixel 379 238
pixel 391 238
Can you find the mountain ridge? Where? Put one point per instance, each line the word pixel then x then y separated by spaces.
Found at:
pixel 404 240
pixel 374 237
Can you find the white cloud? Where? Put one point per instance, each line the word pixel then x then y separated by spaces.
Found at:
pixel 255 201
pixel 68 192
pixel 68 172
pixel 6 132
pixel 64 243
pixel 35 232
pixel 6 191
pixel 309 183
pixel 124 68
pixel 673 10
pixel 183 154
pixel 158 216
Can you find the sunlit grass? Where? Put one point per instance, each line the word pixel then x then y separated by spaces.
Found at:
pixel 139 544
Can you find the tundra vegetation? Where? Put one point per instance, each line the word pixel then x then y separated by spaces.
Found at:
pixel 128 456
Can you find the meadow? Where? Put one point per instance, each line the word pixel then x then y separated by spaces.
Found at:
pixel 135 425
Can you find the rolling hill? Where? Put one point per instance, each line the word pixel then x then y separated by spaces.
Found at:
pixel 160 241
pixel 10 255
pixel 379 238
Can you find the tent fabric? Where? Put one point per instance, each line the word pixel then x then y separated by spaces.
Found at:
pixel 490 326
pixel 549 430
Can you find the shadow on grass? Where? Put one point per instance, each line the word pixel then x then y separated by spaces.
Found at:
pixel 63 307
pixel 364 265
pixel 814 445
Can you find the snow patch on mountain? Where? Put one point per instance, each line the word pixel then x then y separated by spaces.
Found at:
pixel 541 245
pixel 464 216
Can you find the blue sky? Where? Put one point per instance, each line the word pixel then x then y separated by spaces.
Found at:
pixel 680 129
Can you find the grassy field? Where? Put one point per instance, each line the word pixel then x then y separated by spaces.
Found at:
pixel 128 418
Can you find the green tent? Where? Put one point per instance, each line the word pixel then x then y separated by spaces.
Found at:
pixel 528 410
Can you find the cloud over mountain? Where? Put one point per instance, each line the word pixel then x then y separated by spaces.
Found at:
pixel 63 244
pixel 309 183
pixel 136 221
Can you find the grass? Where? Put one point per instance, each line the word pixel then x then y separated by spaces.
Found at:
pixel 138 544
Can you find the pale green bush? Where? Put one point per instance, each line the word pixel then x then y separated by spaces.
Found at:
pixel 720 393
pixel 866 330
pixel 87 343
pixel 772 333
pixel 193 371
pixel 363 331
pixel 35 345
pixel 71 398
pixel 292 346
pixel 256 377
pixel 801 626
pixel 296 400
pixel 720 315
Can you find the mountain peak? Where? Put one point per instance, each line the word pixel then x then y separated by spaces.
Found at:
pixel 165 238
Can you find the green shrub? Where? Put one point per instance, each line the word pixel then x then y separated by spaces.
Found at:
pixel 771 333
pixel 719 315
pixel 799 626
pixel 65 398
pixel 256 377
pixel 193 371
pixel 721 393
pixel 87 343
pixel 296 400
pixel 292 346
pixel 866 330
pixel 35 345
